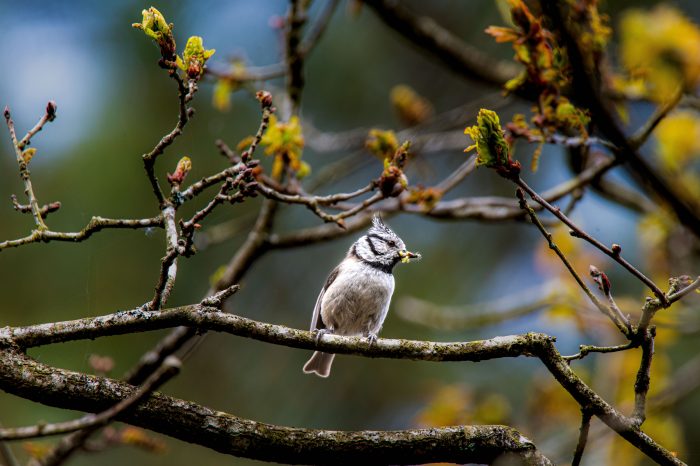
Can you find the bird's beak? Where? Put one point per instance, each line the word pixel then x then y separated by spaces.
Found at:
pixel 406 256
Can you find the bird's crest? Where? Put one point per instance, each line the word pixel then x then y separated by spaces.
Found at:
pixel 379 227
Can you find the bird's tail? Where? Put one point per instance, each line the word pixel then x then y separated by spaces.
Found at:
pixel 319 364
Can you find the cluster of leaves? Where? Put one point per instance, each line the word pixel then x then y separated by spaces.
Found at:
pixel 547 72
pixel 382 143
pixel 285 142
pixel 493 151
pixel 535 48
pixel 194 56
pixel 157 28
pixel 385 146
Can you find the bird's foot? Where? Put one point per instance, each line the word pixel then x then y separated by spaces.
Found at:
pixel 320 332
pixel 371 338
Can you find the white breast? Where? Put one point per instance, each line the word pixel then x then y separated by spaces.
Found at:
pixel 357 301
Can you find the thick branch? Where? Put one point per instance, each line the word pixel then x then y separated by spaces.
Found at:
pixel 157 379
pixel 588 399
pixel 201 317
pixel 197 316
pixel 294 58
pixel 245 438
pixel 442 44
pixel 586 87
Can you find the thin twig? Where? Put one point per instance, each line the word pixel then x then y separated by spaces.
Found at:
pixel 94 225
pixel 673 297
pixel 582 437
pixel 640 137
pixel 313 202
pixel 7 457
pixel 49 115
pixel 604 285
pixel 168 268
pixel 44 211
pixel 308 199
pixel 24 165
pixel 641 384
pixel 579 233
pixel 587 349
pixel 204 183
pixel 149 160
pixel 548 236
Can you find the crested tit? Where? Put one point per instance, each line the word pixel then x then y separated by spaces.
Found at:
pixel 355 298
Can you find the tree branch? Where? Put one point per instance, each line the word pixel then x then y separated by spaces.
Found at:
pixel 548 236
pixel 232 435
pixel 94 225
pixel 586 88
pixel 23 164
pixel 579 233
pixel 157 379
pixel 442 44
pixel 583 437
pixel 202 317
pixel 149 159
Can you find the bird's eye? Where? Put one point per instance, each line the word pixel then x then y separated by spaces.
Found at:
pixel 391 243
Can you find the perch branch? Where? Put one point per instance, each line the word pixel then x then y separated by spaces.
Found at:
pixel 197 316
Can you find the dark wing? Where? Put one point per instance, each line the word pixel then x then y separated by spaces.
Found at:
pixel 316 321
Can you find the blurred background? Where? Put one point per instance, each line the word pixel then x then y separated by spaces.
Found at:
pixel 115 103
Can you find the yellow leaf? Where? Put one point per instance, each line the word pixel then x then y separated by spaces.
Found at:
pixel 411 107
pixel 678 139
pixel 663 46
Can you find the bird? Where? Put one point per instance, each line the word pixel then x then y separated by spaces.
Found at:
pixel 355 298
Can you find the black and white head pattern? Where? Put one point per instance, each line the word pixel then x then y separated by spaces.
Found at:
pixel 380 247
